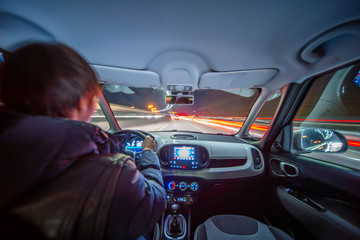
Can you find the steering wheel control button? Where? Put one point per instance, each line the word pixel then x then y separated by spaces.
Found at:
pixel 194 186
pixel 171 185
pixel 183 186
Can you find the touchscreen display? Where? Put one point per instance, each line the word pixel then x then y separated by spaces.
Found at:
pixel 184 153
pixel 184 157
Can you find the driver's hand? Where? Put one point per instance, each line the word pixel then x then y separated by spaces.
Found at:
pixel 149 144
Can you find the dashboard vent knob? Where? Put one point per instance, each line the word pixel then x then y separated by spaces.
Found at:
pixel 256 158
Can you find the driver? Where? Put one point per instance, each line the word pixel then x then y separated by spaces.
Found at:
pixel 48 93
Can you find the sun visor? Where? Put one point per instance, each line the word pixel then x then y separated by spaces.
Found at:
pixel 16 32
pixel 127 77
pixel 236 79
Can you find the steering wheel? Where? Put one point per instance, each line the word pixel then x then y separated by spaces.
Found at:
pixel 131 142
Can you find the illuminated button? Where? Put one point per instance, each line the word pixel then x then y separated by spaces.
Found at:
pixel 181 199
pixel 183 186
pixel 171 185
pixel 194 186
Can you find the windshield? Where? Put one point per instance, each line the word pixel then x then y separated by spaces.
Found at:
pixel 212 111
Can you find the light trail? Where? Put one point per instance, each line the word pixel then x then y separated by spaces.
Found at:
pixel 222 122
pixel 209 123
pixel 234 126
pixel 238 125
pixel 130 117
pixel 327 120
pixel 354 143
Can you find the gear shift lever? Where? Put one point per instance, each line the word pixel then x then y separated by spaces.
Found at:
pixel 175 226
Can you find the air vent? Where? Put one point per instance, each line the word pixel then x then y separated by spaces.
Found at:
pixel 183 136
pixel 217 163
pixel 256 158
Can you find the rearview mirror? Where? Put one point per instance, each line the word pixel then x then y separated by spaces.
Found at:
pixel 319 140
pixel 179 99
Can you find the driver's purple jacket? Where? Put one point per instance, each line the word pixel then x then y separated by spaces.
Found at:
pixel 35 149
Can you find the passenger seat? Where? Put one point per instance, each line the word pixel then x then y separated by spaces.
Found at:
pixel 237 227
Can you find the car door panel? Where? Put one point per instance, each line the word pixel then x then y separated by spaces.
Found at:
pixel 323 197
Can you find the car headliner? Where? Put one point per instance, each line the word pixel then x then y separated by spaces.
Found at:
pixel 224 35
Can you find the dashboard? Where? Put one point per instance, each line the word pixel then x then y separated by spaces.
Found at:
pixel 205 156
pixel 209 157
pixel 191 161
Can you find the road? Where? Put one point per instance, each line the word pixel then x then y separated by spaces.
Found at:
pixel 183 124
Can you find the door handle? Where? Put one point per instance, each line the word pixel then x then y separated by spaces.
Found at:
pixel 289 170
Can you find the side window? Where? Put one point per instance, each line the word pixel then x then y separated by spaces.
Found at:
pixel 333 103
pixel 99 119
pixel 262 122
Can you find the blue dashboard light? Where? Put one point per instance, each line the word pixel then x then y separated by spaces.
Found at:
pixel 194 186
pixel 357 79
pixel 171 185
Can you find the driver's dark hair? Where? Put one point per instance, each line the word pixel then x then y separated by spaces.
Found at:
pixel 46 79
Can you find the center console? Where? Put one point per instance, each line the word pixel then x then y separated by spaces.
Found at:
pixel 182 193
pixel 188 169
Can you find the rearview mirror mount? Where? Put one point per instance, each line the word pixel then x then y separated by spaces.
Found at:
pixel 179 99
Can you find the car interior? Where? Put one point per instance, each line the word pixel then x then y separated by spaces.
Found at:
pixel 254 105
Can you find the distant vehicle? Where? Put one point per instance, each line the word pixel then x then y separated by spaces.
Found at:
pixel 175 117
